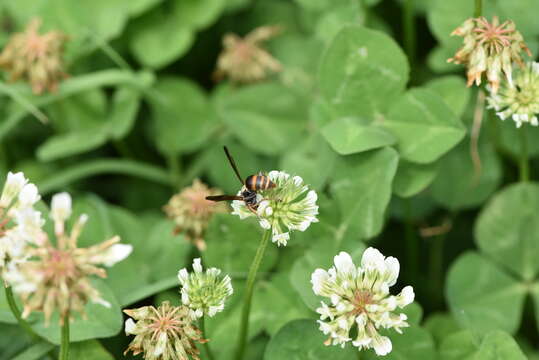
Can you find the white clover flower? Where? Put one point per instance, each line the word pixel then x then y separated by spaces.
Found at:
pixel 204 292
pixel 359 297
pixel 289 206
pixel 519 100
pixel 163 333
pixel 55 275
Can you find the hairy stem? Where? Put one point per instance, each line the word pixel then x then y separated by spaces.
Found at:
pixel 209 354
pixel 248 295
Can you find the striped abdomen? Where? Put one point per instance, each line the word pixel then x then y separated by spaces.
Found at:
pixel 258 182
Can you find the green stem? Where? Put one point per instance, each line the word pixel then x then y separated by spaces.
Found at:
pixel 64 346
pixel 409 30
pixel 436 268
pixel 173 162
pixel 15 311
pixel 365 9
pixel 412 244
pixel 524 165
pixel 206 345
pixel 478 8
pixel 248 295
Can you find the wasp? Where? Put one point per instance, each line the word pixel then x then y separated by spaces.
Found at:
pixel 251 185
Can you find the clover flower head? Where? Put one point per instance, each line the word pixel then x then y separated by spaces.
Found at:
pixel 165 333
pixel 204 292
pixel 359 297
pixel 191 212
pixel 519 100
pixel 289 206
pixel 244 60
pixel 489 47
pixel 57 276
pixel 36 58
pixel 20 223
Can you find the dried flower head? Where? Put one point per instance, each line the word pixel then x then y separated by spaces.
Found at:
pixel 520 99
pixel 20 223
pixel 490 47
pixel 289 206
pixel 36 58
pixel 244 60
pixel 191 212
pixel 56 276
pixel 360 297
pixel 204 292
pixel 165 333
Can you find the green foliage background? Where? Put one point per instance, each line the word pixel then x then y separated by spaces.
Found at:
pixel 383 136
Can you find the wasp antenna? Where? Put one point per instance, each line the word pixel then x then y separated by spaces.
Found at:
pixel 233 164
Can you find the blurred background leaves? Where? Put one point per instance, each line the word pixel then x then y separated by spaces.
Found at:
pixel 383 136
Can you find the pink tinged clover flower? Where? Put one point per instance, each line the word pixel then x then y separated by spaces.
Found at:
pixel 359 297
pixel 489 47
pixel 56 276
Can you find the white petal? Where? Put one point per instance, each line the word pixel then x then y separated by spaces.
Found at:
pixel 61 207
pixel 264 223
pixel 197 266
pixel 392 270
pixel 318 279
pixel 183 276
pixel 344 263
pixel 161 344
pixel 406 296
pixel 382 345
pixel 373 259
pixel 14 184
pixel 297 180
pixel 281 239
pixel 129 326
pixel 116 253
pixel 28 195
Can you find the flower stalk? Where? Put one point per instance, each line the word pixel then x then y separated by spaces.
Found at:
pixel 206 345
pixel 524 165
pixel 478 8
pixel 17 313
pixel 64 346
pixel 247 297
